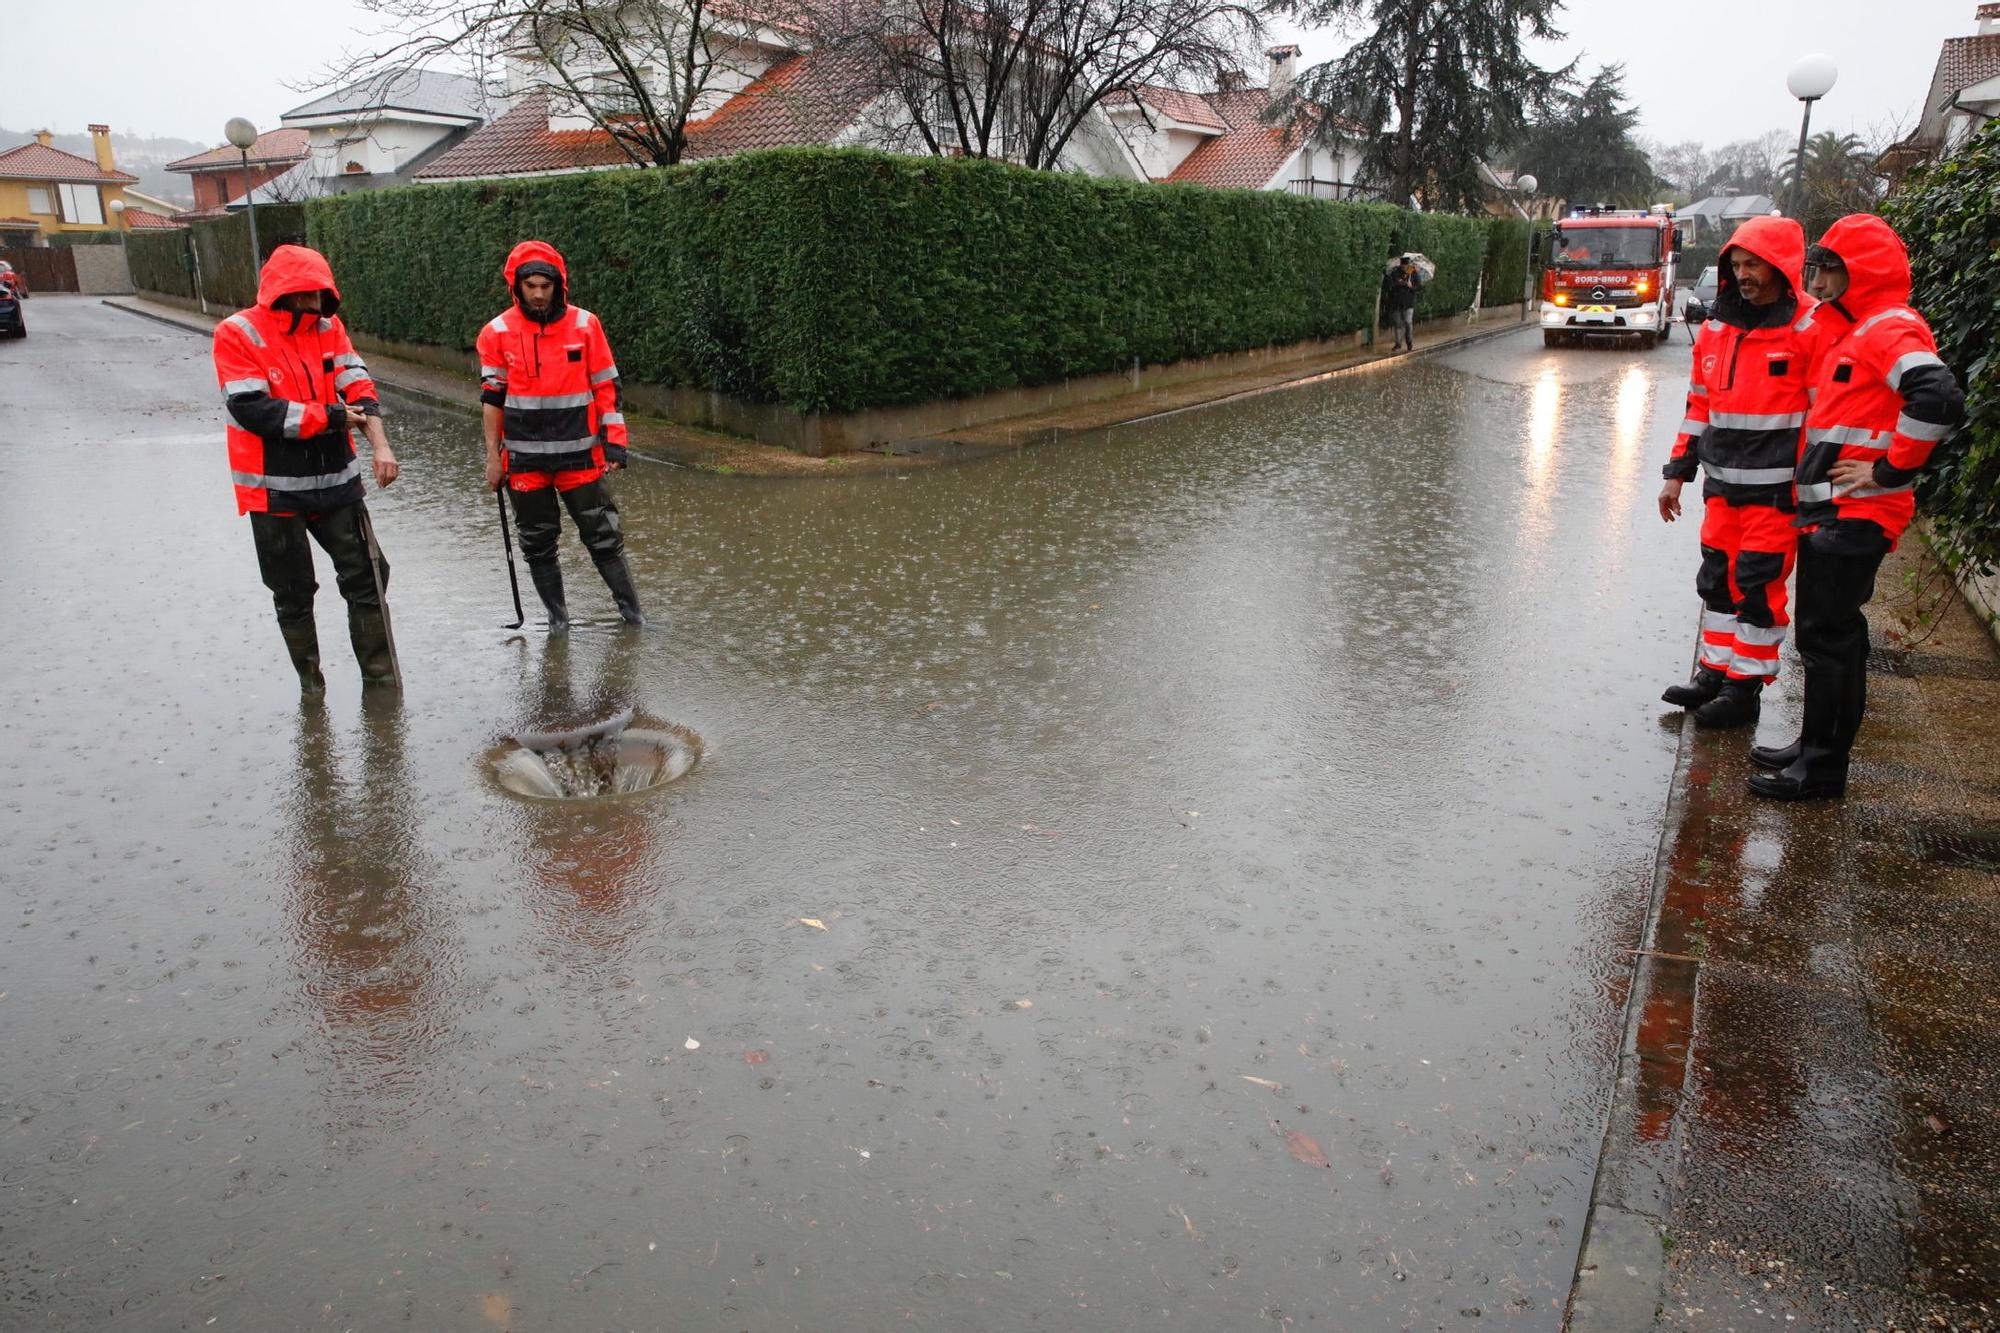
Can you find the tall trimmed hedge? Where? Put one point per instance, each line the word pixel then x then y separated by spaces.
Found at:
pixel 844 278
pixel 228 277
pixel 1506 273
pixel 161 262
pixel 1457 245
pixel 1948 215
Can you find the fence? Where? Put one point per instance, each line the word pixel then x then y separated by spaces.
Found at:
pixel 46 268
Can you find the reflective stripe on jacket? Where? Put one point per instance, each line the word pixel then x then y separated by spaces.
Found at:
pixel 280 374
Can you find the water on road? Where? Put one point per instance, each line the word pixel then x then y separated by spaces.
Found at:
pixel 1181 878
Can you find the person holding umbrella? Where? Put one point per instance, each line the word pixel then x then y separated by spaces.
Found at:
pixel 1400 286
pixel 294 390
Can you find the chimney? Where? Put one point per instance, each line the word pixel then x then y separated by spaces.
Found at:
pixel 1989 19
pixel 100 139
pixel 44 138
pixel 1285 66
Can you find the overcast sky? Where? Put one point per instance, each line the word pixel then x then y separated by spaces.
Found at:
pixel 1712 70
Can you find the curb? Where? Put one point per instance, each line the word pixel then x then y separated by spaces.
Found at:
pixel 1423 353
pixel 1621 1261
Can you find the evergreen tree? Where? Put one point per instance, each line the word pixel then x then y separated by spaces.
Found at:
pixel 1436 86
pixel 1583 150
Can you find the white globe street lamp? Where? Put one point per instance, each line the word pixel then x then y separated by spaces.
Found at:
pixel 118 221
pixel 243 133
pixel 1810 78
pixel 1526 184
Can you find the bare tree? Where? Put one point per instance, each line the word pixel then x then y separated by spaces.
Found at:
pixel 1683 165
pixel 640 70
pixel 1019 79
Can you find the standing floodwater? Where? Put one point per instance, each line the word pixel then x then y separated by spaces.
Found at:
pixel 1171 880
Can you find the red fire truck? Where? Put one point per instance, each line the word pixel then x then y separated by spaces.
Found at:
pixel 1609 273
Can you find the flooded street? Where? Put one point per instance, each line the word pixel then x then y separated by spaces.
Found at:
pixel 1177 879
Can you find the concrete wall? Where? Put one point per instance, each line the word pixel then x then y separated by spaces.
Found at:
pixel 101 270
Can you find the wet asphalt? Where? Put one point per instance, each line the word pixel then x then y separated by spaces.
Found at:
pixel 1182 878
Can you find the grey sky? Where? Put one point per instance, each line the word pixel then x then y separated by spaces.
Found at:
pixel 1712 70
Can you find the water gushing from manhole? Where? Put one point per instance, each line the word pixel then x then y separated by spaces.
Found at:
pixel 608 758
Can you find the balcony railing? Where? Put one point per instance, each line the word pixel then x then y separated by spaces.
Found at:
pixel 1339 191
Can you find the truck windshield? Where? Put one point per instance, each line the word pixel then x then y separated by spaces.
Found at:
pixel 1607 247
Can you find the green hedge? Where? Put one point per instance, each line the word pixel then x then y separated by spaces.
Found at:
pixel 1457 245
pixel 161 262
pixel 1506 272
pixel 841 279
pixel 1948 215
pixel 222 245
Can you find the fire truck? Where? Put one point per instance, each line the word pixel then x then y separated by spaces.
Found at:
pixel 1609 273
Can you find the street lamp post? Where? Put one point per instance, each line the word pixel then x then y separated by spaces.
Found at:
pixel 1527 185
pixel 118 221
pixel 242 133
pixel 1810 78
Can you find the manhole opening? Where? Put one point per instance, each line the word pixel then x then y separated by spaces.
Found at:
pixel 622 756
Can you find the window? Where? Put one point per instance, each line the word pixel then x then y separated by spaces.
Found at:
pixel 612 94
pixel 39 201
pixel 81 204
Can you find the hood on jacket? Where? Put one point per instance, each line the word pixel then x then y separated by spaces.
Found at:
pixel 532 259
pixel 1878 267
pixel 297 268
pixel 1779 242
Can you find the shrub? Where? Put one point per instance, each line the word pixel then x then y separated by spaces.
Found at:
pixel 1948 215
pixel 220 254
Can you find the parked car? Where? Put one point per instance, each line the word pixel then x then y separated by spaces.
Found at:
pixel 13 323
pixel 1702 296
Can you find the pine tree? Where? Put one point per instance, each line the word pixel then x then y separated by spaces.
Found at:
pixel 1435 85
pixel 1583 151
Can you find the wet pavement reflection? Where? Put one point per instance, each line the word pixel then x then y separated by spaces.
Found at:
pixel 1079 835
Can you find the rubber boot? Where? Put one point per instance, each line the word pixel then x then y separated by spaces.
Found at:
pixel 548 582
pixel 302 641
pixel 1703 685
pixel 1819 772
pixel 618 578
pixel 1735 705
pixel 1775 757
pixel 369 633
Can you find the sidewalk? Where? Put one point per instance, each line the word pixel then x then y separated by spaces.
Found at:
pixel 1806 1127
pixel 661 441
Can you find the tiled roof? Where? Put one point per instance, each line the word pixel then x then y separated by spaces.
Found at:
pixel 804 99
pixel 1187 108
pixel 425 91
pixel 38 162
pixel 145 219
pixel 1964 61
pixel 1248 154
pixel 271 146
pixel 13 223
pixel 522 142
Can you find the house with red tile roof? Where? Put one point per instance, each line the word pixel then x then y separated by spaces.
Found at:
pixel 768 89
pixel 53 194
pixel 222 175
pixel 1964 93
pixel 1221 139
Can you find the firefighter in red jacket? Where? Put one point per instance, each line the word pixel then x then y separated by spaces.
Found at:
pixel 550 395
pixel 1882 400
pixel 1746 405
pixel 295 390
